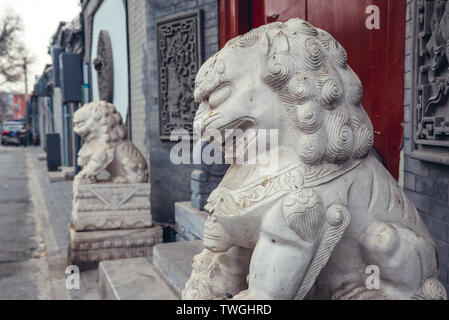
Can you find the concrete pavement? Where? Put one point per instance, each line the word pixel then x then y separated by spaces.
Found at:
pixel 34 215
pixel 23 268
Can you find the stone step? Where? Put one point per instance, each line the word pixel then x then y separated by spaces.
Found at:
pixel 42 157
pixel 56 176
pixel 173 261
pixel 189 221
pixel 132 279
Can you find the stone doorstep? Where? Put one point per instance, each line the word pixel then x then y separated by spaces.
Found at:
pixel 64 173
pixel 69 175
pixel 173 262
pixel 56 176
pixel 189 221
pixel 132 279
pixel 67 169
pixel 138 278
pixel 69 172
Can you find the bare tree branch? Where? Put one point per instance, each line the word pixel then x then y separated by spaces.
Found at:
pixel 14 58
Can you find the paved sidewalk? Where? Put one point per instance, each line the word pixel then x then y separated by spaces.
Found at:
pixel 58 200
pixel 54 201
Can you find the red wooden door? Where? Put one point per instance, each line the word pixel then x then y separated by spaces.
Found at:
pixel 376 55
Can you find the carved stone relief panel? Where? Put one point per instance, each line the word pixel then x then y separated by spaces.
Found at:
pixel 431 119
pixel 179 55
pixel 104 65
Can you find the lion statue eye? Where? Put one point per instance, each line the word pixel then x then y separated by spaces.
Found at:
pixel 219 95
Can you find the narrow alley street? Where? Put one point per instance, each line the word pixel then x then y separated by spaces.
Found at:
pixel 22 256
pixel 34 214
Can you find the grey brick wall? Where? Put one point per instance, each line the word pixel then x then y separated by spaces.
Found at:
pixel 427 184
pixel 169 183
pixel 137 31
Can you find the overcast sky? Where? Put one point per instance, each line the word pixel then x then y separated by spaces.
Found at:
pixel 40 19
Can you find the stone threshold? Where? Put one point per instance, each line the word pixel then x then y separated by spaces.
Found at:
pixel 161 277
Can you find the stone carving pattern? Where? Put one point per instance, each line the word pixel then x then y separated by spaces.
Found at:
pixel 113 223
pixel 178 50
pixel 432 107
pixel 104 65
pixel 95 246
pixel 110 206
pixel 114 199
pixel 118 243
pixel 111 254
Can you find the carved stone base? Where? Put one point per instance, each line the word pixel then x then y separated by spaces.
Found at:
pixel 88 248
pixel 106 206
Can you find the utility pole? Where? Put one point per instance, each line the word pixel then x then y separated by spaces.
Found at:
pixel 25 66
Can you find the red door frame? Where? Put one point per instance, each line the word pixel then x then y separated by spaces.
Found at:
pixel 234 19
pixel 381 71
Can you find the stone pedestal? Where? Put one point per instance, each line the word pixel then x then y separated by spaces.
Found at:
pixel 107 206
pixel 111 221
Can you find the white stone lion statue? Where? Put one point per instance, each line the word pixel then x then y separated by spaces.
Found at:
pixel 105 146
pixel 330 222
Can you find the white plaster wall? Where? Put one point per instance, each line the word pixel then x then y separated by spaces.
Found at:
pixel 111 16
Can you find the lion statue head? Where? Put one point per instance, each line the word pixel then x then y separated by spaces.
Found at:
pixel 292 77
pixel 99 120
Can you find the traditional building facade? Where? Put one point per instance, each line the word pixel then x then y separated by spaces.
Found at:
pixel 142 56
pixel 65 84
pixel 153 102
pixel 426 120
pixel 167 101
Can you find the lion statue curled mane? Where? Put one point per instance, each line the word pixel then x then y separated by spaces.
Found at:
pixel 331 211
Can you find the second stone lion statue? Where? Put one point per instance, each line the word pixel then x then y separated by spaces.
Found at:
pixel 105 146
pixel 330 222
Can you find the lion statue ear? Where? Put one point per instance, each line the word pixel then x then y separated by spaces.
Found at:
pixel 273 42
pixel 264 46
pixel 279 68
pixel 279 43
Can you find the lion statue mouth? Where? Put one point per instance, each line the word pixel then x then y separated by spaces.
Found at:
pixel 238 133
pixel 79 129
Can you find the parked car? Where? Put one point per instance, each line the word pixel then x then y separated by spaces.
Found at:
pixel 15 132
